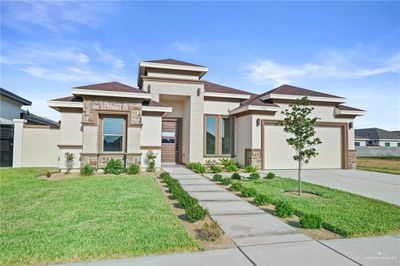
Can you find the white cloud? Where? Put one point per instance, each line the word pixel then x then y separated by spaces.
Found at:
pixel 108 57
pixel 328 65
pixel 185 47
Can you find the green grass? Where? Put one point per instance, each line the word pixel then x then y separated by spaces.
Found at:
pixel 345 213
pixel 390 165
pixel 84 218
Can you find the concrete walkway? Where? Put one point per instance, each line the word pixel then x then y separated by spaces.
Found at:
pixel 375 185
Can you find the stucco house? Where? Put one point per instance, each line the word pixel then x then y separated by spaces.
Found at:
pixel 181 117
pixel 377 137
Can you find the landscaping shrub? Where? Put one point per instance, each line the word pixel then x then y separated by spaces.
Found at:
pixel 69 161
pixel 251 169
pixel 248 192
pixel 227 162
pixel 262 199
pixel 195 213
pixel 217 178
pixel 48 174
pixel 87 170
pixel 226 181
pixel 237 186
pixel 209 232
pixel 311 221
pixel 236 176
pixel 187 201
pixel 216 169
pixel 114 166
pixel 133 169
pixel 254 176
pixel 232 168
pixel 151 158
pixel 196 167
pixel 270 175
pixel 284 209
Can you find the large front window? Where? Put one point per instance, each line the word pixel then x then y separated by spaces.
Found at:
pixel 218 135
pixel 113 134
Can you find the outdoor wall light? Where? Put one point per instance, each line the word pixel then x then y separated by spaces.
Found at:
pixel 258 122
pixel 198 92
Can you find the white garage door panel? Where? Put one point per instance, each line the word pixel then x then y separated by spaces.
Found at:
pixel 279 155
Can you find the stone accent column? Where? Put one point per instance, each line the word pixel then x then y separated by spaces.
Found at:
pixel 18 138
pixel 253 157
pixel 352 160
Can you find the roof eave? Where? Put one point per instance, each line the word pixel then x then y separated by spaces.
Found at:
pixel 274 96
pixel 339 112
pixel 227 95
pixel 254 108
pixel 119 94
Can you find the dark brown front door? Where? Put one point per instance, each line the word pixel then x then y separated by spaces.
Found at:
pixel 170 139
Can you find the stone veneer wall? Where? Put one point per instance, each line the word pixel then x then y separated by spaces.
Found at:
pixel 352 160
pixel 253 157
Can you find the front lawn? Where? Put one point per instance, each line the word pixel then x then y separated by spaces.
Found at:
pixel 390 165
pixel 84 218
pixel 344 213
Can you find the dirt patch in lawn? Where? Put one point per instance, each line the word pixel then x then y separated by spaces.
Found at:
pixel 193 228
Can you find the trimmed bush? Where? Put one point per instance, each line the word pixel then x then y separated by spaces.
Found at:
pixel 232 168
pixel 87 170
pixel 248 192
pixel 187 201
pixel 251 169
pixel 196 167
pixel 226 162
pixel 114 166
pixel 216 169
pixel 226 181
pixel 217 178
pixel 237 186
pixel 311 221
pixel 254 176
pixel 236 176
pixel 151 158
pixel 133 169
pixel 195 213
pixel 284 209
pixel 270 175
pixel 209 232
pixel 262 199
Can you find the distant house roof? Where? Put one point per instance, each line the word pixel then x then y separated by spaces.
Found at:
pixel 292 90
pixel 213 87
pixel 9 94
pixel 170 61
pixel 111 86
pixel 376 134
pixel 38 120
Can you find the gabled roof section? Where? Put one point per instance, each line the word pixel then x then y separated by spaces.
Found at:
pixel 255 100
pixel 170 61
pixel 38 120
pixel 9 94
pixel 376 133
pixel 68 99
pixel 111 86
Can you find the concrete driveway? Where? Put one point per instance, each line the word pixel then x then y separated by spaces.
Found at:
pixel 375 185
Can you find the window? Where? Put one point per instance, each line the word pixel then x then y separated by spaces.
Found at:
pixel 218 135
pixel 357 144
pixel 398 144
pixel 113 134
pixel 387 144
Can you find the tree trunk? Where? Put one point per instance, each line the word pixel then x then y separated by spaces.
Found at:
pixel 299 177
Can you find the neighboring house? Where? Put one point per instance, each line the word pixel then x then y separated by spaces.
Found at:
pixel 10 113
pixel 371 142
pixel 183 118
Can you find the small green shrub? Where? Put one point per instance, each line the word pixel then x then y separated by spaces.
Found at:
pixel 133 169
pixel 251 169
pixel 209 232
pixel 226 181
pixel 248 192
pixel 195 213
pixel 270 175
pixel 284 209
pixel 236 176
pixel 311 221
pixel 48 174
pixel 151 158
pixel 232 168
pixel 217 178
pixel 187 201
pixel 237 186
pixel 226 162
pixel 262 199
pixel 87 170
pixel 211 163
pixel 69 161
pixel 216 169
pixel 196 167
pixel 114 166
pixel 254 176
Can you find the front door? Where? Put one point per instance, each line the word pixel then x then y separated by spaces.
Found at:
pixel 6 145
pixel 170 139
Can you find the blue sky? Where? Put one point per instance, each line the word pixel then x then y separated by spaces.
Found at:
pixel 350 49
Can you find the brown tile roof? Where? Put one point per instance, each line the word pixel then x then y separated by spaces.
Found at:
pixel 154 103
pixel 255 100
pixel 68 99
pixel 213 87
pixel 345 107
pixel 111 86
pixel 292 90
pixel 171 61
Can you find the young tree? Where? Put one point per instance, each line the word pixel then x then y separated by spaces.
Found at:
pixel 301 127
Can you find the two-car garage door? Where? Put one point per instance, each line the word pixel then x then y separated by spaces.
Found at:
pixel 279 155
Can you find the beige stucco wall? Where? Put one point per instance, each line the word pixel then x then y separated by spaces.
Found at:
pixel 243 136
pixel 156 73
pixel 39 147
pixel 219 107
pixel 71 128
pixel 151 137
